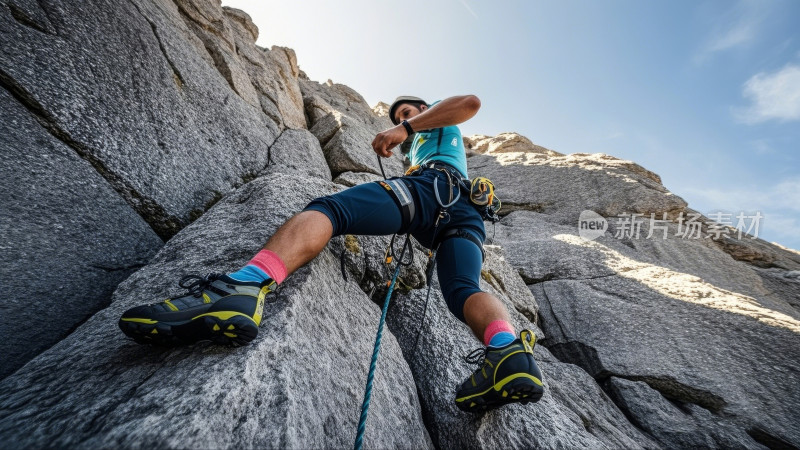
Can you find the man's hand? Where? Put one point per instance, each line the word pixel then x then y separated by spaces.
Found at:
pixel 387 140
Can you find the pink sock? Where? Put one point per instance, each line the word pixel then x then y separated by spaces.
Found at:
pixel 495 327
pixel 271 264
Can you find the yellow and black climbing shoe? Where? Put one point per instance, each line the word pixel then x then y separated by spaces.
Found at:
pixel 216 307
pixel 506 375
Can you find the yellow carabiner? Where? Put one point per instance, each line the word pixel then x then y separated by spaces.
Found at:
pixel 412 169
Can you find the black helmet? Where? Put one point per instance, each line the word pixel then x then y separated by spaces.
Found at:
pixel 404 99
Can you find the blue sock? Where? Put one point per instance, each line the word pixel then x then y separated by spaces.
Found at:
pixel 501 339
pixel 250 273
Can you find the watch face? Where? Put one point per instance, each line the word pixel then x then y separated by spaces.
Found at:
pixel 405 147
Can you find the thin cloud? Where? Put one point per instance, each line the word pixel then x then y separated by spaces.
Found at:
pixel 738 27
pixel 785 228
pixel 468 8
pixel 773 96
pixel 779 205
pixel 762 147
pixel 789 193
pixel 739 34
pixel 783 196
pixel 611 136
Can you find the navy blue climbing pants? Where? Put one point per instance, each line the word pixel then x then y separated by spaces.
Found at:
pixel 369 209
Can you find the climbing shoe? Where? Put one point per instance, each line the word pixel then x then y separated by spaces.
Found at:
pixel 215 307
pixel 506 375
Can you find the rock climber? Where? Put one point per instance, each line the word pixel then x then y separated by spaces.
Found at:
pixel 227 308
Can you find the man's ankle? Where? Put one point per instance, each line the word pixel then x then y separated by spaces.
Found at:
pixel 498 333
pixel 250 274
pixel 264 266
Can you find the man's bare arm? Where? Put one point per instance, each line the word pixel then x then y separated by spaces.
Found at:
pixel 450 111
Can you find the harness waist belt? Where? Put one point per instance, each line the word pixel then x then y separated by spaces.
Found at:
pixel 441 165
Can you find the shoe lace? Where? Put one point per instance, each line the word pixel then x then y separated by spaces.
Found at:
pixel 196 284
pixel 476 356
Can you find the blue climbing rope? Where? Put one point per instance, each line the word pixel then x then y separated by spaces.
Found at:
pixel 368 391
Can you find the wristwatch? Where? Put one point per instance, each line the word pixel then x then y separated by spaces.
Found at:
pixel 408 128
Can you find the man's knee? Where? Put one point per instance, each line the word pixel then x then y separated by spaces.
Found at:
pixel 457 297
pixel 332 209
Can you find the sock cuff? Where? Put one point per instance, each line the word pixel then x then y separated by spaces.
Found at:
pixel 271 264
pixel 495 327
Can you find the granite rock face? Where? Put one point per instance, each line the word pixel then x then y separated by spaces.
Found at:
pixel 351 179
pixel 162 106
pixel 300 150
pixel 156 95
pixel 673 426
pixel 620 312
pixel 66 238
pixel 563 186
pixel 298 385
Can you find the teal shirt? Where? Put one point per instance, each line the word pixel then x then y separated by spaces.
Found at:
pixel 439 144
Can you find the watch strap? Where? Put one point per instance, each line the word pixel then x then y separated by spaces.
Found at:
pixel 407 126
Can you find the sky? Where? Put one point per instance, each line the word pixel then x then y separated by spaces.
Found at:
pixel 704 93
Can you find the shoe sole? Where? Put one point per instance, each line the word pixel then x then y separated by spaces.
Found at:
pixel 223 327
pixel 519 390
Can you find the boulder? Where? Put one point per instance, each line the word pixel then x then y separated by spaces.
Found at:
pixel 66 238
pixel 504 143
pixel 381 109
pixel 299 150
pixel 321 99
pixel 299 384
pixel 345 126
